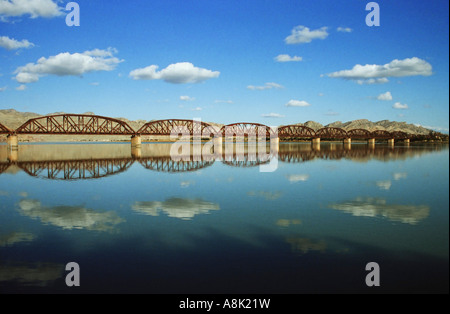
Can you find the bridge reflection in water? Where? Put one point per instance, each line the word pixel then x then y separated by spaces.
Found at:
pixel 91 161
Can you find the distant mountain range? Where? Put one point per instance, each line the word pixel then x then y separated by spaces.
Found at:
pixel 13 119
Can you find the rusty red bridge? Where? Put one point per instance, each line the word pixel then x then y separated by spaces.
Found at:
pixel 82 124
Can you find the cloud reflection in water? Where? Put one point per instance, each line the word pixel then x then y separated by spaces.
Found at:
pixel 70 217
pixel 182 208
pixel 374 207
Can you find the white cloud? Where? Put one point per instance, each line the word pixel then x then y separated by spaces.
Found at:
pixel 21 87
pixel 331 113
pixel 2 89
pixel 177 73
pixel 344 29
pixel 288 58
pixel 266 86
pixel 386 96
pixel 297 103
pixel 396 68
pixel 372 81
pixel 34 8
pixel 272 115
pixel 102 53
pixel 302 34
pixel 197 109
pixel 186 98
pixel 398 105
pixel 65 64
pixel 11 43
pixel 224 101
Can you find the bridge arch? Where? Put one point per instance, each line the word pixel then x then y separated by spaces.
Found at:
pixel 400 135
pixel 359 134
pixel 79 124
pixel 381 134
pixel 175 126
pixel 331 133
pixel 296 131
pixel 246 129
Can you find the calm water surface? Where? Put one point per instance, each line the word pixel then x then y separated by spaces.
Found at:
pixel 136 221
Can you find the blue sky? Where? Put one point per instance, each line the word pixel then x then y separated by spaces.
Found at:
pixel 265 61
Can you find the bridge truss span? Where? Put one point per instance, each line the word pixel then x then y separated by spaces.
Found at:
pixel 331 133
pixel 359 134
pixel 175 127
pixel 79 124
pixel 399 135
pixel 296 131
pixel 247 129
pixel 381 134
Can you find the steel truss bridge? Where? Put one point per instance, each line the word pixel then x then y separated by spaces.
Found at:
pixel 80 124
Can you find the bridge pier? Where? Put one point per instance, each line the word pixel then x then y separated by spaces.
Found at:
pixel 316 146
pixel 274 144
pixel 347 140
pixel 391 142
pixel 371 141
pixel 12 141
pixel 136 141
pixel 347 146
pixel 406 141
pixel 316 140
pixel 218 145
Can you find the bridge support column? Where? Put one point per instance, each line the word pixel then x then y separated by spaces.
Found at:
pixel 274 144
pixel 12 142
pixel 391 142
pixel 316 140
pixel 347 140
pixel 136 141
pixel 218 146
pixel 371 141
pixel 406 141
